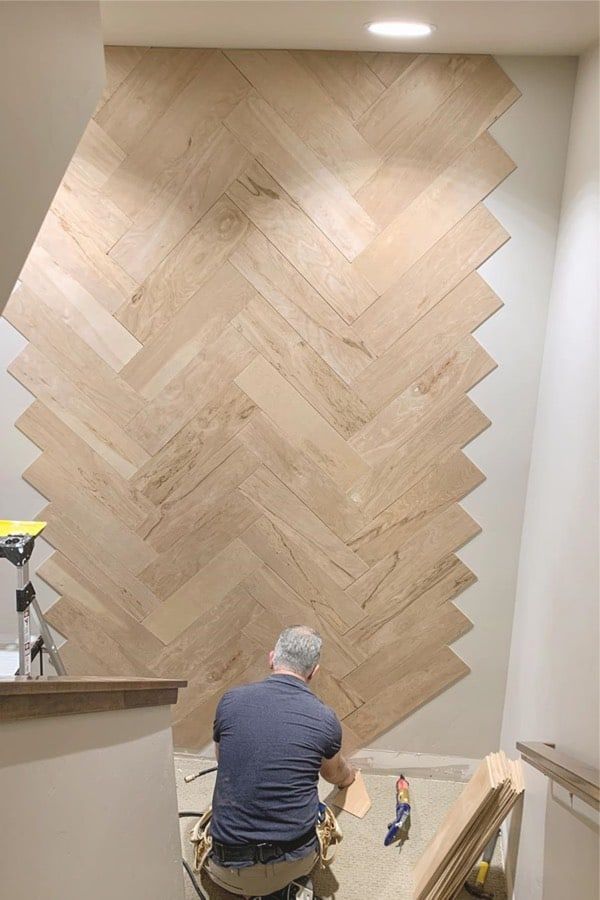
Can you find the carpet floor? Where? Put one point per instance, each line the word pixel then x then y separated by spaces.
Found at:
pixel 363 869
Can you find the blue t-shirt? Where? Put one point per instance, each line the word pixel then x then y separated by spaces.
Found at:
pixel 273 737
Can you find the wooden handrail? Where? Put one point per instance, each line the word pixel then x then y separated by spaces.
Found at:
pixel 579 779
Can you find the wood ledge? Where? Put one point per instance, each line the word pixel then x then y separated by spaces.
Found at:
pixel 52 695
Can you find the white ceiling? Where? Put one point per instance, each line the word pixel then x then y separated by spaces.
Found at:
pixel 473 26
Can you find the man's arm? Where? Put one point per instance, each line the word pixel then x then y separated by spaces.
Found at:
pixel 338 770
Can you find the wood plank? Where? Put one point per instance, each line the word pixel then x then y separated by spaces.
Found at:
pixel 269 590
pixel 302 103
pixel 195 549
pixel 167 216
pixel 303 244
pixel 88 513
pixel 97 156
pixel 454 193
pixel 301 366
pixel 451 375
pixel 146 91
pixel 222 472
pixel 388 66
pixel 345 77
pixel 37 322
pixel 85 262
pixel 429 592
pixel 195 326
pixel 89 212
pixel 294 166
pixel 105 571
pixel 294 298
pixel 76 308
pixel 284 554
pixel 87 471
pixel 392 575
pixel 303 476
pixel 417 158
pixel 204 379
pixel 287 513
pixel 447 483
pixel 119 62
pixel 301 423
pixel 425 678
pixel 409 101
pixel 178 466
pixel 112 619
pixel 202 593
pixel 198 256
pixel 460 423
pixel 36 372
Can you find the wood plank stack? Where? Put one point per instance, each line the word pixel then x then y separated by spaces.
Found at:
pixel 461 838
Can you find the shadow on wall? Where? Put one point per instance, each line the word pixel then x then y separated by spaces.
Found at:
pixel 572 832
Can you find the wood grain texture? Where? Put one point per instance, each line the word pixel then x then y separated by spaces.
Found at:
pixel 250 316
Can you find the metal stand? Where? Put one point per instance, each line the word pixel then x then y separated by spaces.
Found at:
pixel 17 549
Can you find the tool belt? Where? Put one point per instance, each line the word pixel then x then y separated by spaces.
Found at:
pixel 260 851
pixel 327 830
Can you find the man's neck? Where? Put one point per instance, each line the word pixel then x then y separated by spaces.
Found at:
pixel 289 672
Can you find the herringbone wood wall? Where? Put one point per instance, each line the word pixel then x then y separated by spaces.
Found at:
pixel 250 312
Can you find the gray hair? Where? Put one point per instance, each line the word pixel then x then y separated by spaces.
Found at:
pixel 298 649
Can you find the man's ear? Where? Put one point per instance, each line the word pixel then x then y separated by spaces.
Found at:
pixel 313 673
pixel 271 656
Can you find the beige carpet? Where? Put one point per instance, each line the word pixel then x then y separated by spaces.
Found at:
pixel 364 869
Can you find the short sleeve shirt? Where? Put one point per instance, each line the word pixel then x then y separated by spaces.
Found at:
pixel 273 737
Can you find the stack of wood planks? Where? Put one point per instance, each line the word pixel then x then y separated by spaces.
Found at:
pixel 473 819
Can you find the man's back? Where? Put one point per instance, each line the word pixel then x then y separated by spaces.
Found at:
pixel 272 737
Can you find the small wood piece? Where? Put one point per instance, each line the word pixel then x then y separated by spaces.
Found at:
pixel 353 799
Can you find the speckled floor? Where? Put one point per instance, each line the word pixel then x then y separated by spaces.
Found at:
pixel 364 869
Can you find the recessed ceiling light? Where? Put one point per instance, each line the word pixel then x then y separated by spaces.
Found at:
pixel 401 29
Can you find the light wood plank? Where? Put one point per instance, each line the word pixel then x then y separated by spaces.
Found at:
pixel 90 213
pixel 119 62
pixel 203 592
pixel 195 326
pixel 460 423
pixel 299 171
pixel 467 181
pixel 97 156
pixel 439 271
pixel 388 66
pixel 304 245
pixel 75 307
pixel 301 305
pixel 269 590
pixel 301 366
pixel 170 212
pixel 345 77
pixel 409 101
pixel 303 476
pixel 418 158
pixel 204 379
pixel 451 375
pixel 287 512
pixel 87 471
pixel 301 422
pixel 198 256
pixel 445 484
pixel 71 405
pixel 178 466
pixel 299 99
pixel 80 364
pixel 146 91
pixel 195 549
pixel 222 472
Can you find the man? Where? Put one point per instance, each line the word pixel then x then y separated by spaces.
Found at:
pixel 272 739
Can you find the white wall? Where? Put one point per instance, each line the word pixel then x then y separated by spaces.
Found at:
pixel 51 77
pixel 552 691
pixel 465 720
pixel 89 807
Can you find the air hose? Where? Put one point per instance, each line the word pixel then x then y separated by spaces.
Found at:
pixel 195 815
